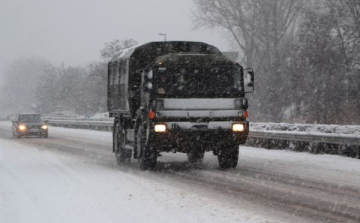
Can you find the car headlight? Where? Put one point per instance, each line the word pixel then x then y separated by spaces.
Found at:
pixel 22 127
pixel 238 127
pixel 44 127
pixel 160 128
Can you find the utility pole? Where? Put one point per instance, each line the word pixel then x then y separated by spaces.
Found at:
pixel 163 34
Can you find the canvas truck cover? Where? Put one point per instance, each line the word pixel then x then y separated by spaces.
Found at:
pixel 124 81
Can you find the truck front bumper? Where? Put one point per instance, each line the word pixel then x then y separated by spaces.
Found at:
pixel 205 137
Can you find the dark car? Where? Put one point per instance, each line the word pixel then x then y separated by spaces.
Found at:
pixel 29 125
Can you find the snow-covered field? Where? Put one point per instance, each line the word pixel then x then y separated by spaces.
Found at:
pixel 72 177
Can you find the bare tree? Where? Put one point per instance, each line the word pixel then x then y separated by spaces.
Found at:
pixel 354 8
pixel 115 46
pixel 262 30
pixel 327 58
pixel 255 25
pixel 345 19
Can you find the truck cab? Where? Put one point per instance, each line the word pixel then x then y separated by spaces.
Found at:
pixel 181 100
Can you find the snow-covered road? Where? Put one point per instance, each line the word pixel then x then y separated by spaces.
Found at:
pixel 73 177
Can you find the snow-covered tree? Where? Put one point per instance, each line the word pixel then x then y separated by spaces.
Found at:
pixel 115 46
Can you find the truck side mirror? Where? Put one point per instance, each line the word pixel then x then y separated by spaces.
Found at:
pixel 249 79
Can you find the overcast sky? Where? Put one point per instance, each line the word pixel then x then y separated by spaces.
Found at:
pixel 73 31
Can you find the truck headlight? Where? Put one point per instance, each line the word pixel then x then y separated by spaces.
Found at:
pixel 238 127
pixel 22 127
pixel 160 128
pixel 44 127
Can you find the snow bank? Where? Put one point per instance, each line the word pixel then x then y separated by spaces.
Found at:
pixel 353 130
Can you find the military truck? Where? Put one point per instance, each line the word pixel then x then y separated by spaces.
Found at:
pixel 177 96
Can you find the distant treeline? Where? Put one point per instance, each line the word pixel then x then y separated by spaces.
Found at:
pixel 34 85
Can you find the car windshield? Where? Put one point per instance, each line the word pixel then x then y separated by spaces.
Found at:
pixel 201 82
pixel 30 118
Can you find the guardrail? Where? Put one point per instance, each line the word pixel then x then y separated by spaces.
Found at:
pixel 296 141
pixel 83 124
pixel 303 142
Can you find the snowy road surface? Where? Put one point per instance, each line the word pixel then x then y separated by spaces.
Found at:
pixel 73 177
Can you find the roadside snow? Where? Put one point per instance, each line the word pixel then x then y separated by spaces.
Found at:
pixel 40 186
pixel 314 129
pixel 330 169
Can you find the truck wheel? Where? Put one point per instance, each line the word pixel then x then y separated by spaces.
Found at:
pixel 195 156
pixel 228 157
pixel 147 155
pixel 122 155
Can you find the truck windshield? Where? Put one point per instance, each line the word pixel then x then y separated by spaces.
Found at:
pixel 204 82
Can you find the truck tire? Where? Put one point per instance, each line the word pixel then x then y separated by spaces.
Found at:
pixel 228 157
pixel 122 155
pixel 195 156
pixel 147 155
